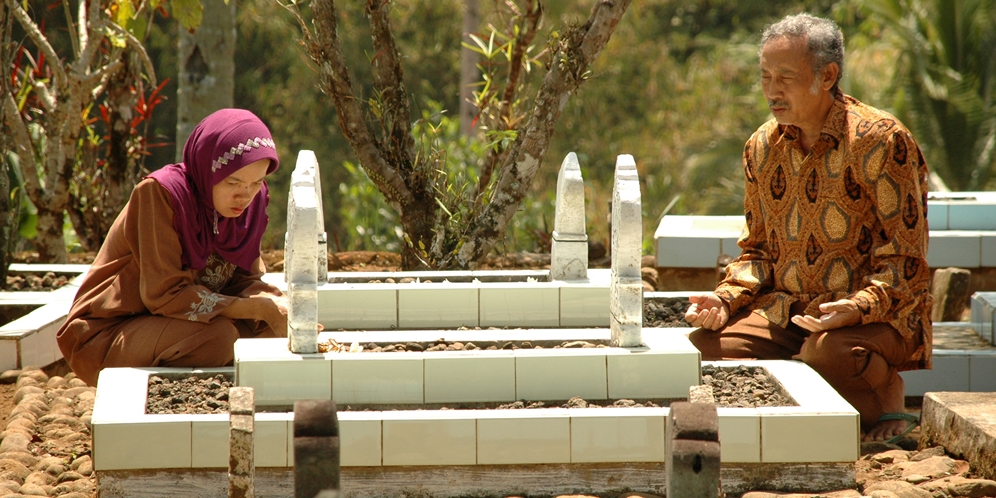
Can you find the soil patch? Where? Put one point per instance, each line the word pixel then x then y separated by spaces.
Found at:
pixel 663 313
pixel 732 387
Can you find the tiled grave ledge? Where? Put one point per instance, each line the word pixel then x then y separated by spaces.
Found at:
pixel 30 339
pixel 348 304
pixel 387 453
pixel 687 247
pixel 663 369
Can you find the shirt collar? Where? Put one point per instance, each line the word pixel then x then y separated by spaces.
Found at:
pixel 834 128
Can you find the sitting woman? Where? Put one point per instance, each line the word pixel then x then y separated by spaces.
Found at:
pixel 178 278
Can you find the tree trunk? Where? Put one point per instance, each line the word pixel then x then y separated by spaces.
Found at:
pixel 206 80
pixel 468 67
pixel 8 207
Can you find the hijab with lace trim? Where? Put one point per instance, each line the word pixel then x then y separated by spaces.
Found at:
pixel 220 145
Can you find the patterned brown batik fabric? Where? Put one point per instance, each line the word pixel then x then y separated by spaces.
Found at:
pixel 848 220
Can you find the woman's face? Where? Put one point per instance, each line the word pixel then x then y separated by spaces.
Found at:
pixel 234 194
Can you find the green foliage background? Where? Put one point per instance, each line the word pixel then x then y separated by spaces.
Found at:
pixel 677 87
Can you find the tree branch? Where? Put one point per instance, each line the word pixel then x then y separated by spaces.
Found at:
pixel 137 46
pixel 325 49
pixel 530 25
pixel 36 36
pixel 578 50
pixel 22 145
pixel 388 77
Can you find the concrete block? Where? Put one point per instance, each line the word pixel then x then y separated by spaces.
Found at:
pixel 965 424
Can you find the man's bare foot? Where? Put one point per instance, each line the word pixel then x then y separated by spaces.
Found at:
pixel 885 430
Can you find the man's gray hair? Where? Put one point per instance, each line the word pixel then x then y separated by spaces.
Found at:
pixel 826 42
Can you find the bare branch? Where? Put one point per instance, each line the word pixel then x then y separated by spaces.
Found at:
pixel 94 82
pixel 91 35
pixel 578 50
pixel 388 78
pixel 38 38
pixel 326 50
pixel 136 45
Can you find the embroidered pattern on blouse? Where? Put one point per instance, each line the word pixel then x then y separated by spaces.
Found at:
pixel 252 143
pixel 216 273
pixel 206 305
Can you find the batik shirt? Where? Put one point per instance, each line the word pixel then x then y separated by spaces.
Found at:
pixel 846 221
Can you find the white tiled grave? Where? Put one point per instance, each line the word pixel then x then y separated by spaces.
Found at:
pixel 459 299
pixel 416 445
pixel 30 339
pixel 964 235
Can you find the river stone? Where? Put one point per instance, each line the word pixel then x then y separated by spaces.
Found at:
pixel 21 422
pixel 901 489
pixel 70 476
pixel 74 495
pixel 34 408
pixel 80 461
pixel 20 393
pixel 9 376
pixel 35 374
pixel 881 493
pixel 28 459
pixel 86 469
pixel 927 453
pixel 56 469
pixel 40 478
pixel 75 382
pixel 33 490
pixel 934 466
pixel 13 470
pixel 891 456
pixel 963 486
pixel 56 382
pixel 73 392
pixel 48 461
pixel 15 441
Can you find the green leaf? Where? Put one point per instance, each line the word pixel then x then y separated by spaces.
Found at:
pixel 189 13
pixel 126 11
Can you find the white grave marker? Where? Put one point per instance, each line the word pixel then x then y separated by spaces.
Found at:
pixel 626 287
pixel 305 256
pixel 569 249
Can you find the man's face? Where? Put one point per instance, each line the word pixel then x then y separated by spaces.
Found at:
pixel 790 85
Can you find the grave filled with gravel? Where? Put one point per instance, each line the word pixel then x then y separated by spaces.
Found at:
pixel 731 386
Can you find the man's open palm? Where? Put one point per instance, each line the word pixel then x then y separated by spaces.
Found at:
pixel 837 314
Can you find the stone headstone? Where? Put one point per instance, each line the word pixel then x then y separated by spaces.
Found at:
pixel 305 254
pixel 693 450
pixel 951 293
pixel 626 286
pixel 241 466
pixel 569 247
pixel 316 449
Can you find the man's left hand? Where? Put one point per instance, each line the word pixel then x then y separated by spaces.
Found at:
pixel 837 314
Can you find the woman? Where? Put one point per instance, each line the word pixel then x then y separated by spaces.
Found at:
pixel 177 280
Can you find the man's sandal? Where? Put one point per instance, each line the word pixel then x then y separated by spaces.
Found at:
pixel 913 420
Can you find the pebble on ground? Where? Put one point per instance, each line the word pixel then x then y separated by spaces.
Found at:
pixel 45 447
pixel 45 451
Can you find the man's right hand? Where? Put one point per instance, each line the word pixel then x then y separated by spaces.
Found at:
pixel 707 311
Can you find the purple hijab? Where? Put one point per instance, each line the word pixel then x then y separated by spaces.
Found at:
pixel 220 145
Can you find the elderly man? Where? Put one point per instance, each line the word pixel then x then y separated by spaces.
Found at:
pixel 833 267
